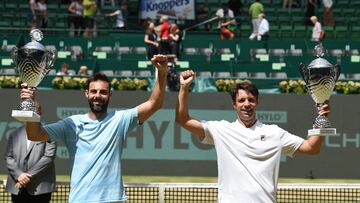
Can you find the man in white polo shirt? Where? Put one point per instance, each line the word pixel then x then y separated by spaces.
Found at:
pixel 248 151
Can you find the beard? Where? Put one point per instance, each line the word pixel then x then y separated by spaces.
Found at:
pixel 99 108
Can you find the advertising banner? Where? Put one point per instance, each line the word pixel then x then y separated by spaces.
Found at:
pixel 174 9
pixel 161 147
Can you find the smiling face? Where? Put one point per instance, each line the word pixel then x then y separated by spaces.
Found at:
pixel 98 95
pixel 245 107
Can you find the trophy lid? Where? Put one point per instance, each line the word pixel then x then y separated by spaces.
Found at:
pixel 320 63
pixel 34 45
pixel 36 36
pixel 319 51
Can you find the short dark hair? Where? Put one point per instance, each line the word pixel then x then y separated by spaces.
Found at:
pixel 246 86
pixel 96 77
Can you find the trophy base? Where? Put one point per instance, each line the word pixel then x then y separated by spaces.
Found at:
pixel 25 116
pixel 322 132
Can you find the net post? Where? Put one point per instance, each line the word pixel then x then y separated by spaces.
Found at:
pixel 161 194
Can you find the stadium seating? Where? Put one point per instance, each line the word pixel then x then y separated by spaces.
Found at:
pixel 15 14
pixel 216 56
pixel 125 51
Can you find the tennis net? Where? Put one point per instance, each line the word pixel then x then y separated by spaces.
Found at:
pixel 207 192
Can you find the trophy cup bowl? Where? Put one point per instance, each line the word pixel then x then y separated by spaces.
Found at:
pixel 320 77
pixel 32 63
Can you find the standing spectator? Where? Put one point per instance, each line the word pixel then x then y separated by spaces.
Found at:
pixel 287 4
pixel 226 22
pixel 121 15
pixel 328 13
pixel 33 8
pixel 76 17
pixel 41 15
pixel 90 9
pixel 264 28
pixel 175 37
pixel 310 11
pixel 150 39
pixel 317 33
pixel 202 15
pixel 31 168
pixel 164 32
pixel 237 7
pixel 255 9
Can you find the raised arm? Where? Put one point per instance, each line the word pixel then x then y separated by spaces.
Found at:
pixel 112 14
pixel 34 130
pixel 312 145
pixel 182 112
pixel 154 103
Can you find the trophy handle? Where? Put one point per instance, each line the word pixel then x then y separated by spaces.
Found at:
pixel 337 71
pixel 303 72
pixel 14 53
pixel 51 57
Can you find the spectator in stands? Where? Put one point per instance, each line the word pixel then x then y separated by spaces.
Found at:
pixel 202 15
pixel 149 23
pixel 150 39
pixel 175 36
pixel 64 70
pixel 95 140
pixel 287 3
pixel 310 11
pixel 164 31
pixel 328 13
pixel 76 17
pixel 255 9
pixel 121 15
pixel 83 71
pixel 317 31
pixel 227 23
pixel 90 10
pixel 33 8
pixel 237 7
pixel 264 28
pixel 248 151
pixel 41 15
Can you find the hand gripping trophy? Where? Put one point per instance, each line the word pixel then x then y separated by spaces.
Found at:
pixel 32 63
pixel 320 77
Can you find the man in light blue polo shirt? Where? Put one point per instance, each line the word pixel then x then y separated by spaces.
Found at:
pixel 95 139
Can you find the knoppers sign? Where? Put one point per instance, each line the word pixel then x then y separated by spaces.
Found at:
pixel 174 9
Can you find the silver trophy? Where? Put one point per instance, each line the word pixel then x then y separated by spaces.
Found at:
pixel 32 63
pixel 320 77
